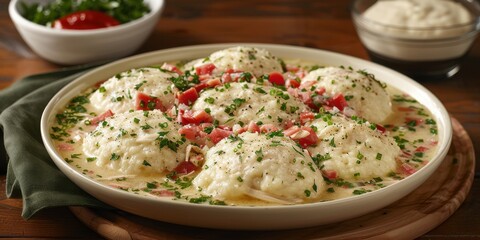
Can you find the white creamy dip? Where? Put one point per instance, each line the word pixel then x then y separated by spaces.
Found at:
pixel 436 18
pixel 421 20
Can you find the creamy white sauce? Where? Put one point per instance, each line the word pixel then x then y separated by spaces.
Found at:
pixel 123 152
pixel 416 20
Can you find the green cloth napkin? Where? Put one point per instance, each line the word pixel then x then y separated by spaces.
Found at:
pixel 31 174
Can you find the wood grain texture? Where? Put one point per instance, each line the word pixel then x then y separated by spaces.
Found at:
pixel 411 217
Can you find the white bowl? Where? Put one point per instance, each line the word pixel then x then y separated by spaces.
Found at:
pixel 70 47
pixel 244 217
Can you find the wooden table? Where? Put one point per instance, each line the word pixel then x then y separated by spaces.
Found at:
pixel 318 24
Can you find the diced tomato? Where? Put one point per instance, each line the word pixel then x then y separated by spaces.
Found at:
pixel 330 174
pixel 292 83
pixel 145 102
pixel 190 131
pixel 227 76
pixel 405 109
pixel 208 83
pixel 409 120
pixel 199 87
pixel 202 126
pixel 381 128
pixel 266 128
pixel 195 117
pixel 309 140
pixel 290 131
pixel 163 192
pixel 337 101
pixel 276 78
pixel 188 97
pixel 185 167
pixel 213 82
pixel 405 154
pixel 306 117
pixel 288 123
pixel 101 117
pixel 301 74
pixel 253 127
pixel 205 69
pixel 306 84
pixel 306 98
pixel 65 147
pixel 421 149
pixel 320 90
pixel 407 169
pixel 171 68
pixel 292 69
pixel 218 134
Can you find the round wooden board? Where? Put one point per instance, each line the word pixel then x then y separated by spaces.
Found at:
pixel 416 214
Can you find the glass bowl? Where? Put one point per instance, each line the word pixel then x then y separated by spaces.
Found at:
pixel 419 52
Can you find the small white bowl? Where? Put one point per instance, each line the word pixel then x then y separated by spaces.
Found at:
pixel 69 47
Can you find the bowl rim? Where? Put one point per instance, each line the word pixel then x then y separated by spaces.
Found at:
pixel 156 6
pixel 474 23
pixel 440 110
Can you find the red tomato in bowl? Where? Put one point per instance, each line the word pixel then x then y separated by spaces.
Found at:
pixel 84 20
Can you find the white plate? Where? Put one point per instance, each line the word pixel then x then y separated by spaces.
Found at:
pixel 244 217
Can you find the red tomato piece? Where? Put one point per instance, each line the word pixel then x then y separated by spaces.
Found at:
pixel 337 101
pixel 276 78
pixel 227 76
pixel 330 174
pixel 101 117
pixel 407 169
pixel 65 147
pixel 185 167
pixel 85 20
pixel 188 97
pixel 213 82
pixel 202 85
pixel 190 131
pixel 405 109
pixel 320 90
pixel 195 117
pixel 288 124
pixel 290 131
pixel 306 84
pixel 409 120
pixel 381 128
pixel 421 149
pixel 208 83
pixel 218 134
pixel 266 128
pixel 306 117
pixel 292 83
pixel 163 192
pixel 309 140
pixel 146 103
pixel 253 127
pixel 171 68
pixel 292 69
pixel 205 69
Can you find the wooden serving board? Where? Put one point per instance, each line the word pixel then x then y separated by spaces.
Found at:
pixel 416 214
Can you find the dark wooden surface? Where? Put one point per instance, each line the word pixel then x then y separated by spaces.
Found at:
pixel 312 23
